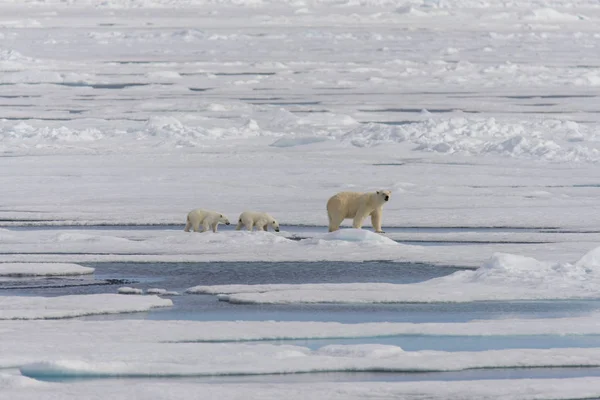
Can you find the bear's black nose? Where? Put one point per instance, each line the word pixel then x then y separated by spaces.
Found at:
pixel 387 198
pixel 226 223
pixel 276 230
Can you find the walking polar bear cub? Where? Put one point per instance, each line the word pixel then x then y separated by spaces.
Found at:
pixel 357 205
pixel 261 220
pixel 208 219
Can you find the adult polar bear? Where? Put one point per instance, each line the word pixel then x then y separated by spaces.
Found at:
pixel 357 205
pixel 206 218
pixel 261 220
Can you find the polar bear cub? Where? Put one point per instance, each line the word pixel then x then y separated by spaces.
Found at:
pixel 358 206
pixel 261 220
pixel 206 218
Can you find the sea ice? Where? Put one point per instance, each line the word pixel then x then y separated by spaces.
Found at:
pixel 18 307
pixel 43 269
pixel 130 290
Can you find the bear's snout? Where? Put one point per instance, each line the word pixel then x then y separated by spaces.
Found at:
pixel 387 198
pixel 277 230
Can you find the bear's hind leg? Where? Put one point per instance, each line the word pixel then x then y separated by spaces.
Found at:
pixel 334 222
pixel 188 225
pixel 239 225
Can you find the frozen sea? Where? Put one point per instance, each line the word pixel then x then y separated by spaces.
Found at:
pixel 482 118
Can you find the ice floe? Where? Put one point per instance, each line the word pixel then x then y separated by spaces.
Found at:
pixel 18 307
pixel 199 359
pixel 20 388
pixel 43 269
pixel 130 290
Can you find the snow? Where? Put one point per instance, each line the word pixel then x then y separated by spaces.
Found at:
pixel 227 244
pixel 513 389
pixel 15 307
pixel 136 348
pixel 130 290
pixel 42 269
pixel 147 331
pixel 156 291
pixel 355 235
pixel 187 360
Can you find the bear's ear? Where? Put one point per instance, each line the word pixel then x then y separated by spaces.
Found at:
pixel 221 215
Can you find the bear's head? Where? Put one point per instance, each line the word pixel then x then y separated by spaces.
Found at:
pixel 274 224
pixel 223 219
pixel 385 195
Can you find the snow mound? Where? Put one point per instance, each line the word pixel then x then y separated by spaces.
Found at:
pixel 354 235
pixel 372 134
pixel 129 290
pixel 12 307
pixel 170 130
pixel 28 135
pixel 550 14
pixel 590 262
pixel 43 269
pixel 551 140
pixel 13 56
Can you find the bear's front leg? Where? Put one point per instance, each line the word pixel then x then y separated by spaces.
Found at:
pixel 376 220
pixel 214 227
pixel 359 218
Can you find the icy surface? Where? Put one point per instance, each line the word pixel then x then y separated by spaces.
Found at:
pixel 184 359
pixel 130 290
pixel 42 269
pixel 14 307
pixel 355 235
pixel 517 389
pixel 58 332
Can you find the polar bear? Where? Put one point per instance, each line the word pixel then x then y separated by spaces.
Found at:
pixel 206 218
pixel 261 220
pixel 357 205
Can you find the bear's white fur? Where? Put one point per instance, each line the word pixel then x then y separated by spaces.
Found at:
pixel 357 205
pixel 206 218
pixel 261 220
